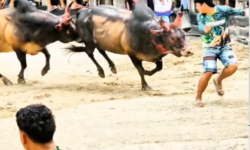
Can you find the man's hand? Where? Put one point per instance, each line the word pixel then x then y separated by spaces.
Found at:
pixel 3 3
pixel 207 28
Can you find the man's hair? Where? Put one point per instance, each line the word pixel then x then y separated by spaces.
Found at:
pixel 208 2
pixel 37 121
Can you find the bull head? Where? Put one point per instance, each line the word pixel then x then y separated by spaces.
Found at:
pixel 166 27
pixel 66 18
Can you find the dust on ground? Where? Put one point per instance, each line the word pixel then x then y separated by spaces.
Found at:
pixel 112 113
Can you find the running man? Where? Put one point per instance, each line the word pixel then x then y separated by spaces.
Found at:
pixel 213 23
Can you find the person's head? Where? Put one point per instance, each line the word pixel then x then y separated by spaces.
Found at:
pixel 36 125
pixel 203 5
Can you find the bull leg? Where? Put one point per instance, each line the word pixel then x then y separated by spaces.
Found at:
pixel 22 59
pixel 157 68
pixel 47 64
pixel 110 62
pixel 138 65
pixel 5 80
pixel 90 51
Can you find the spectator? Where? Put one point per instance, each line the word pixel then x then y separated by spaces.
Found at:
pixel 79 3
pixel 36 127
pixel 7 3
pixel 150 4
pixel 180 4
pixel 51 7
pixel 130 4
pixel 85 3
pixel 184 4
pixel 162 8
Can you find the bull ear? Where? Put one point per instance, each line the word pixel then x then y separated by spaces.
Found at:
pixel 178 19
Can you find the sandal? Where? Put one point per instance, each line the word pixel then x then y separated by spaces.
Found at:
pixel 198 103
pixel 218 89
pixel 60 8
pixel 52 8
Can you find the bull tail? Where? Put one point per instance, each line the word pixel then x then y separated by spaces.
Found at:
pixel 76 49
pixel 5 80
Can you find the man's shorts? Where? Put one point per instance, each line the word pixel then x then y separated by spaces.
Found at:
pixel 225 54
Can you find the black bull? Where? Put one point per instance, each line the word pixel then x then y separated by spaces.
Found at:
pixel 138 34
pixel 27 30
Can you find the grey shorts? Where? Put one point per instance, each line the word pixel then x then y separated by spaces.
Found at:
pixel 225 54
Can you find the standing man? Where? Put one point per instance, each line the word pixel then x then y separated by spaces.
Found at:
pixel 130 4
pixel 37 126
pixel 162 8
pixel 213 23
pixel 51 7
pixel 184 4
pixel 150 4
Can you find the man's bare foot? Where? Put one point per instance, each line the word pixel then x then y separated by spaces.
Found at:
pixel 219 89
pixel 62 7
pixel 198 103
pixel 76 6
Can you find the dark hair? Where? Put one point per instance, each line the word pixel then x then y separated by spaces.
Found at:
pixel 208 2
pixel 37 121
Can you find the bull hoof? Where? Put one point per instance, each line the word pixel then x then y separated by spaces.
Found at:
pixel 7 82
pixel 21 81
pixel 45 71
pixel 146 88
pixel 113 69
pixel 101 73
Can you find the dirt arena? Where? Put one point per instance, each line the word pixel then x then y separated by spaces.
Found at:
pixel 113 114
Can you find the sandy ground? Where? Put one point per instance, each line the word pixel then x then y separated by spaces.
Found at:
pixel 113 114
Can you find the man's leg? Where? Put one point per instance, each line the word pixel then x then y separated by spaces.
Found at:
pixel 166 19
pixel 184 3
pixel 229 60
pixel 50 7
pixel 62 4
pixel 209 68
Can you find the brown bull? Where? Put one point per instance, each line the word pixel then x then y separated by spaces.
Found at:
pixel 26 30
pixel 137 34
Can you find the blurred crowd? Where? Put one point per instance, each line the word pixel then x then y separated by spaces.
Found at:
pixel 162 8
pixel 51 4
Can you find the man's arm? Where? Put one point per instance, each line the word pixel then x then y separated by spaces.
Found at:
pixel 202 27
pixel 201 24
pixel 233 11
pixel 128 8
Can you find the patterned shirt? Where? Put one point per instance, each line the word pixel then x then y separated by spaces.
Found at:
pixel 219 23
pixel 57 148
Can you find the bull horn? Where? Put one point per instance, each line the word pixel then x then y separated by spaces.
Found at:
pixel 164 25
pixel 67 10
pixel 178 19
